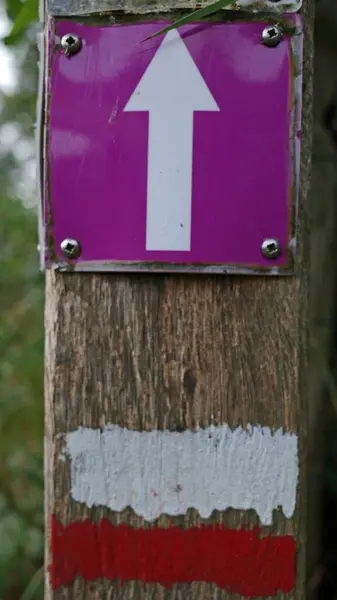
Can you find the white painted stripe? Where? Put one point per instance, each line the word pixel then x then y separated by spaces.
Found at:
pixel 157 472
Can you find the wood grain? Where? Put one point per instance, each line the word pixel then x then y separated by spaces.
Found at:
pixel 174 352
pixel 87 7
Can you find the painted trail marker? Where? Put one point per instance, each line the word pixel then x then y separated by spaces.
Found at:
pixel 163 472
pixel 157 473
pixel 184 155
pixel 238 561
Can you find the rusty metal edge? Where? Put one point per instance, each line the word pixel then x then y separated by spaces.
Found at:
pixel 39 144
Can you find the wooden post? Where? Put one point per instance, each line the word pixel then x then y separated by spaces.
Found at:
pixel 175 353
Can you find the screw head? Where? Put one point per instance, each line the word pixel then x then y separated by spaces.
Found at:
pixel 271 248
pixel 71 43
pixel 271 35
pixel 70 248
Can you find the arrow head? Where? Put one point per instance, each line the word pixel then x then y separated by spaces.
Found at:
pixel 172 82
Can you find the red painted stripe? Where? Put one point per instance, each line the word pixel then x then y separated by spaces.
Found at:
pixel 237 560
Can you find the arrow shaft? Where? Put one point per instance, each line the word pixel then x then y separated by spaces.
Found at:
pixel 169 184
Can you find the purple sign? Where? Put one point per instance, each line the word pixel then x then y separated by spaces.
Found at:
pixel 178 153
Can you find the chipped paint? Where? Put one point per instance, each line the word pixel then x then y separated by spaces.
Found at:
pixel 210 469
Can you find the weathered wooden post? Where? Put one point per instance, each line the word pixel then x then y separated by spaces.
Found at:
pixel 176 305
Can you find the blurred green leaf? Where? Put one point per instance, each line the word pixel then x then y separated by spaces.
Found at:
pixel 13 8
pixel 28 14
pixel 33 542
pixel 11 527
pixel 21 338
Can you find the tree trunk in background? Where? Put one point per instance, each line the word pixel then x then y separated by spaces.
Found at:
pixel 174 353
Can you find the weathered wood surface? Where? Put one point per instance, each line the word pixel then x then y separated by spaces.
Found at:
pixel 174 352
pixel 84 7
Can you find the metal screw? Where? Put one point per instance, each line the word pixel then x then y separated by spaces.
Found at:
pixel 71 44
pixel 70 248
pixel 271 248
pixel 271 36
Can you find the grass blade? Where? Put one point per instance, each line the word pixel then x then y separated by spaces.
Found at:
pixel 34 585
pixel 194 16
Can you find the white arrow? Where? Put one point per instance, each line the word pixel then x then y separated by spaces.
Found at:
pixel 171 89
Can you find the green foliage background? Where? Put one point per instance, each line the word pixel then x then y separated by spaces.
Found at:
pixel 21 334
